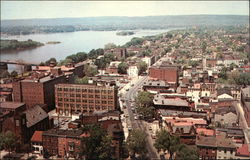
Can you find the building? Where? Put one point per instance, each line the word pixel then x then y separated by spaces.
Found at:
pixel 37 142
pixel 23 122
pixel 160 102
pixel 77 98
pixel 165 72
pixel 226 116
pixel 215 147
pixel 207 148
pixel 62 143
pixel 132 71
pixel 157 86
pixel 39 89
pixel 245 101
pixel 119 53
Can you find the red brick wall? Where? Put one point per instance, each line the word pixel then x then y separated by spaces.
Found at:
pixel 165 74
pixel 207 153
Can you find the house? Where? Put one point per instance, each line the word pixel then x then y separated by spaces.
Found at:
pixel 62 143
pixel 37 142
pixel 23 122
pixel 245 102
pixel 160 102
pixel 242 152
pixel 226 116
pixel 132 71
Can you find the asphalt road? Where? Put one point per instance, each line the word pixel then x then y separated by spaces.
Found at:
pixel 139 124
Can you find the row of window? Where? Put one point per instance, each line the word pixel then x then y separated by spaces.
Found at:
pixel 84 90
pixel 84 101
pixel 83 105
pixel 84 96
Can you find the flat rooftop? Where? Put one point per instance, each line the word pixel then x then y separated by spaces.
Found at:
pixel 11 105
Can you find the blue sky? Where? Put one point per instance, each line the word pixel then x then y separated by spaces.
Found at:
pixel 60 9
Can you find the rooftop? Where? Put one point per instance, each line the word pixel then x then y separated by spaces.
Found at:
pixel 35 115
pixel 37 136
pixel 206 132
pixel 243 151
pixel 62 132
pixel 160 100
pixel 11 105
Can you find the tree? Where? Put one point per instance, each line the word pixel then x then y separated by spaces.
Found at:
pixel 9 141
pixel 51 60
pixel 109 46
pixel 186 153
pixel 105 148
pixel 84 80
pixel 122 68
pixel 166 142
pixel 223 73
pixel 243 79
pixel 136 143
pixel 13 74
pixel 90 71
pixel 4 74
pixel 144 102
pixel 98 145
pixel 142 67
pixel 193 63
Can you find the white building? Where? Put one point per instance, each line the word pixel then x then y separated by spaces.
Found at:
pixel 132 71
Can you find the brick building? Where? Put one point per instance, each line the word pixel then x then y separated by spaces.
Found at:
pixel 165 72
pixel 119 53
pixel 245 101
pixel 78 98
pixel 39 89
pixel 62 143
pixel 23 122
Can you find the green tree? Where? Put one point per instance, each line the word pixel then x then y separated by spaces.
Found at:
pixel 243 79
pixel 223 73
pixel 109 46
pixel 186 153
pixel 166 142
pixel 90 71
pixel 98 145
pixel 193 63
pixel 9 141
pixel 13 74
pixel 142 67
pixel 105 148
pixel 136 143
pixel 122 68
pixel 144 102
pixel 4 74
pixel 51 60
pixel 84 80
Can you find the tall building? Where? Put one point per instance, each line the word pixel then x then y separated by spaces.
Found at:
pixel 165 72
pixel 38 90
pixel 78 98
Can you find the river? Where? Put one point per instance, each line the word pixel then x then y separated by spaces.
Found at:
pixel 71 43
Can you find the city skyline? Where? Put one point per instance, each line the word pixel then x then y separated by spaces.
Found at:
pixel 61 9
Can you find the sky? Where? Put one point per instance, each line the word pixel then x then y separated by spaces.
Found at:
pixel 61 9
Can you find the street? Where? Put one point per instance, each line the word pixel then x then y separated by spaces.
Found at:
pixel 135 123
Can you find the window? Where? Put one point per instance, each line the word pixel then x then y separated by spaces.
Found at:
pixel 91 96
pixel 65 89
pixel 17 123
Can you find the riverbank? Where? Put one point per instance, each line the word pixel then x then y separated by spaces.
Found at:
pixel 15 45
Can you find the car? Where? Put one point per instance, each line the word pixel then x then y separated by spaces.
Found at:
pixel 127 89
pixel 132 85
pixel 150 128
pixel 136 118
pixel 129 128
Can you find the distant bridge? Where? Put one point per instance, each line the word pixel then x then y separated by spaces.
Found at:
pixel 18 63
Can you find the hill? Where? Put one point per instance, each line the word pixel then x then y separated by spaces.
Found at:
pixel 27 26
